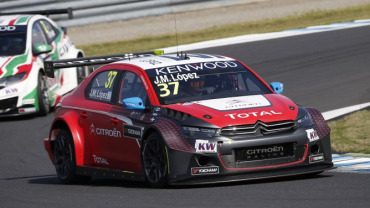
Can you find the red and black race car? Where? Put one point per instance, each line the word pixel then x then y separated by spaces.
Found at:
pixel 181 119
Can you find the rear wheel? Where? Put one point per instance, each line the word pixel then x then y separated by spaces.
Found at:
pixel 42 95
pixel 155 161
pixel 65 160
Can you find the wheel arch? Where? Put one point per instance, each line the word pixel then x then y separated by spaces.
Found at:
pixel 70 122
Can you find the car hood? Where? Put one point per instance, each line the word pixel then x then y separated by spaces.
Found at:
pixel 241 110
pixel 11 65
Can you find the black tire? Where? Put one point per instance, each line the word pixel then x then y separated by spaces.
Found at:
pixel 154 159
pixel 65 160
pixel 42 95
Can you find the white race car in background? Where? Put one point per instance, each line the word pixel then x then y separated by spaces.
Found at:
pixel 26 40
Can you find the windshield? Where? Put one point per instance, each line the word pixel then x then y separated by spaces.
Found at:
pixel 203 81
pixel 12 40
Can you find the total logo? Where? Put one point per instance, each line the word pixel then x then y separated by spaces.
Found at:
pixel 253 114
pixel 205 170
pixel 100 160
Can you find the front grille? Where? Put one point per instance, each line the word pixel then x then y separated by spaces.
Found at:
pixel 8 104
pixel 258 129
pixel 264 152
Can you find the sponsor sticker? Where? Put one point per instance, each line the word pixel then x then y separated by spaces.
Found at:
pixel 205 146
pixel 312 135
pixel 28 101
pixel 205 170
pixel 100 160
pixel 253 114
pixel 132 131
pixel 224 104
pixel 104 132
pixel 316 158
pixel 27 110
pixel 11 91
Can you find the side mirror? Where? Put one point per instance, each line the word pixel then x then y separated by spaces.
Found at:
pixel 64 30
pixel 43 48
pixel 133 103
pixel 278 87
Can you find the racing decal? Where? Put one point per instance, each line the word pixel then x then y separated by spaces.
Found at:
pixel 171 132
pixel 100 160
pixel 28 101
pixel 205 146
pixel 132 131
pixel 235 103
pixel 11 91
pixel 316 158
pixel 205 170
pixel 104 132
pixel 252 114
pixel 7 28
pixel 27 110
pixel 11 66
pixel 312 135
pixel 319 122
pixel 174 78
pixel 194 67
pixel 22 19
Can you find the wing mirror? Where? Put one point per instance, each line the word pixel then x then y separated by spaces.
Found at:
pixel 277 87
pixel 43 48
pixel 133 103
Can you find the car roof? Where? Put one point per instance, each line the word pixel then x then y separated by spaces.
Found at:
pixel 15 19
pixel 150 62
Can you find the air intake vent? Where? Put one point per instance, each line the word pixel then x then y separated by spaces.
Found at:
pixel 258 129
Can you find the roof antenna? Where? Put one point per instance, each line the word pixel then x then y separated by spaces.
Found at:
pixel 177 43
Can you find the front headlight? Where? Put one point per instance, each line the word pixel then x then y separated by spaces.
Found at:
pixel 6 81
pixel 195 132
pixel 303 118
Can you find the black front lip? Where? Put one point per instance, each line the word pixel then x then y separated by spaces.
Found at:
pixel 257 175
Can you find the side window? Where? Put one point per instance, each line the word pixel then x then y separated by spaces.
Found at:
pixel 132 86
pixel 49 30
pixel 102 86
pixel 38 36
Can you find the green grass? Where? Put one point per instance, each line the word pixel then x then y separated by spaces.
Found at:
pixel 263 26
pixel 351 133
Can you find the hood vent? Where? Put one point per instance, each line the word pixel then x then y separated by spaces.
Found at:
pixel 175 114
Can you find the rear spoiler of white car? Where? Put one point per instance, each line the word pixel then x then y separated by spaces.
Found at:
pixel 50 66
pixel 43 12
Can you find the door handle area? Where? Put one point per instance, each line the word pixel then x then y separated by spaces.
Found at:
pixel 114 120
pixel 84 114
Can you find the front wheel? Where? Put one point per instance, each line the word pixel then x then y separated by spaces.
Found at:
pixel 65 160
pixel 154 159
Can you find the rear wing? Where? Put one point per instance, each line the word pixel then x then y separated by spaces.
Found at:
pixel 50 66
pixel 44 12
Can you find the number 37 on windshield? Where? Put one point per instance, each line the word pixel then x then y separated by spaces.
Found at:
pixel 167 88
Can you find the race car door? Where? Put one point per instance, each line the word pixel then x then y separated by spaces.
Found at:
pixel 124 152
pixel 100 133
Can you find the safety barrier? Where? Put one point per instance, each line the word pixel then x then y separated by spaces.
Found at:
pixel 98 11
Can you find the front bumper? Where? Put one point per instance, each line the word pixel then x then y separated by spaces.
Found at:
pixel 8 107
pixel 227 164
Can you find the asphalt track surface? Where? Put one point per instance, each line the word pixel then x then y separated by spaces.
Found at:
pixel 327 70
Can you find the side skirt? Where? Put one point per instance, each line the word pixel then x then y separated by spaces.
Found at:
pixel 94 171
